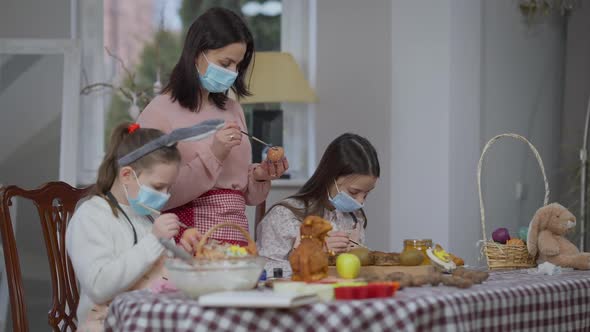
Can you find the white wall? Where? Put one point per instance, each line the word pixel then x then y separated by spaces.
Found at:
pixel 35 19
pixel 464 150
pixel 576 94
pixel 354 87
pixel 23 19
pixel 464 71
pixel 522 88
pixel 30 99
pixel 420 121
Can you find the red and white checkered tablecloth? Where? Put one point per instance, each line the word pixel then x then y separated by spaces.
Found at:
pixel 508 301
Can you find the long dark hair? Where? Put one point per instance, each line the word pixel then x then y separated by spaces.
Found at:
pixel 122 143
pixel 216 28
pixel 347 154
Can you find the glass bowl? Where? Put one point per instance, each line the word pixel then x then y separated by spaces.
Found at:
pixel 209 276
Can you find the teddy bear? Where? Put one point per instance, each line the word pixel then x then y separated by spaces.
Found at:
pixel 546 237
pixel 309 261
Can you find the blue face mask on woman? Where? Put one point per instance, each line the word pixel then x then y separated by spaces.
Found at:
pixel 216 78
pixel 343 202
pixel 146 196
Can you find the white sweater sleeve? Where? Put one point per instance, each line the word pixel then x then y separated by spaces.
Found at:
pixel 101 272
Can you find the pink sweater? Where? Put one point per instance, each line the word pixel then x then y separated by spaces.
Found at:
pixel 200 170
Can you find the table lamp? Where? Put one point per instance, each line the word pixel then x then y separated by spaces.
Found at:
pixel 277 78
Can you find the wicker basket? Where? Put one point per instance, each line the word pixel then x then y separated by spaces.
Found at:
pixel 251 248
pixel 502 256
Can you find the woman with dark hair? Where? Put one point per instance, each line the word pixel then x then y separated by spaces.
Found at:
pixel 217 179
pixel 348 171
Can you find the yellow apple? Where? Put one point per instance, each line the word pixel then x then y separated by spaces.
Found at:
pixel 348 266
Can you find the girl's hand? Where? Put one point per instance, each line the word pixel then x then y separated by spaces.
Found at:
pixel 352 246
pixel 166 226
pixel 190 239
pixel 354 235
pixel 337 242
pixel 267 170
pixel 226 139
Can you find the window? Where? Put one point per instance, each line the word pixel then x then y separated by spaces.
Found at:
pixel 143 40
pixel 21 61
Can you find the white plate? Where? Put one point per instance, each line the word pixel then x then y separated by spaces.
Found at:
pixel 444 266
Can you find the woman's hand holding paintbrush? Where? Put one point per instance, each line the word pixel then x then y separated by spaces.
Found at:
pixel 225 139
pixel 274 154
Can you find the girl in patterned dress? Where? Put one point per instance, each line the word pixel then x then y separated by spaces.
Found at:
pixel 347 172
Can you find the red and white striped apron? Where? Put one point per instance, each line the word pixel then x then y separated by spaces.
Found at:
pixel 215 207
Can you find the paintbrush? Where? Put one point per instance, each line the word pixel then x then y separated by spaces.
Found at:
pixel 256 139
pixel 177 251
pixel 158 213
pixel 358 244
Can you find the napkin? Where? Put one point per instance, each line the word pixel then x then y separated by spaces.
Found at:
pixel 547 269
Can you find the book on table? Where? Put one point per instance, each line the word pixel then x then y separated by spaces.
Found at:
pixel 256 299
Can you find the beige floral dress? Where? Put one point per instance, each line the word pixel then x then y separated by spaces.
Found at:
pixel 278 233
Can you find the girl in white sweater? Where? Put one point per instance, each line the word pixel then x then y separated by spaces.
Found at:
pixel 112 238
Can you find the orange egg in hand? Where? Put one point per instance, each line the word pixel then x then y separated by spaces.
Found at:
pixel 275 154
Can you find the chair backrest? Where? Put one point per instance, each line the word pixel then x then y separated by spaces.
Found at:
pixel 55 202
pixel 259 214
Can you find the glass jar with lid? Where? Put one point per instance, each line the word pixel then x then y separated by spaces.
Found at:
pixel 420 245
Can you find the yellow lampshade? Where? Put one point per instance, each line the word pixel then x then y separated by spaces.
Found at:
pixel 277 79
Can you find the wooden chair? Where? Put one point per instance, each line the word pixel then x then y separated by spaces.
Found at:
pixel 55 202
pixel 258 215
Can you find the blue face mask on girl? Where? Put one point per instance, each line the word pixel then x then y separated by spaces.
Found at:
pixel 216 78
pixel 343 202
pixel 146 196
